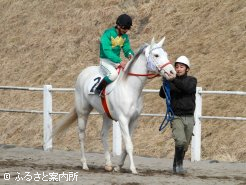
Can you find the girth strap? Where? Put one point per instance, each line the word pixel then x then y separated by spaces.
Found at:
pixel 104 104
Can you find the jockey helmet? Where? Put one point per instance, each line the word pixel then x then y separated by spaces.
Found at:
pixel 124 21
pixel 183 60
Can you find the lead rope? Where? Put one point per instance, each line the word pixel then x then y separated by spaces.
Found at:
pixel 169 112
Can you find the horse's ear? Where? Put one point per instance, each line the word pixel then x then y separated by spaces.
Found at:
pixel 152 43
pixel 161 42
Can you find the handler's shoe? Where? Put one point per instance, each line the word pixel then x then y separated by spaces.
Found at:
pixel 180 170
pixel 174 164
pixel 179 157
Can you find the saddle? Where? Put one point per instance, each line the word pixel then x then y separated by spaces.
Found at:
pixel 96 80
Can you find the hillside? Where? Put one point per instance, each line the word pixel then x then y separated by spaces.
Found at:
pixel 50 42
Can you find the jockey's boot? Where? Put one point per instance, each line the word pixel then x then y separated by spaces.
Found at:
pixel 100 87
pixel 179 160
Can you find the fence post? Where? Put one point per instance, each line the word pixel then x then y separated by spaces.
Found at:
pixel 196 139
pixel 117 140
pixel 47 119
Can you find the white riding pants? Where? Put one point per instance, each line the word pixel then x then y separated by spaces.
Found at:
pixel 109 68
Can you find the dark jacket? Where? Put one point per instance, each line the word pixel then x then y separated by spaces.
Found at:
pixel 183 95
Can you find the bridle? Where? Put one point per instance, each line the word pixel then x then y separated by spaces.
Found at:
pixel 150 59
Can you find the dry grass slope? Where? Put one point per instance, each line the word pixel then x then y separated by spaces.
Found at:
pixel 50 42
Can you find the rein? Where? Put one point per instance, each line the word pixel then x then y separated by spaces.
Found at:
pixel 148 75
pixel 169 112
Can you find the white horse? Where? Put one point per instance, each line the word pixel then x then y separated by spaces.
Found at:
pixel 123 97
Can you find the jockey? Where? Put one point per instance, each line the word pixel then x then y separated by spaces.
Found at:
pixel 111 42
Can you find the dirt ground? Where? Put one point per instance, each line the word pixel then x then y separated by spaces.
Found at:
pixel 24 164
pixel 50 42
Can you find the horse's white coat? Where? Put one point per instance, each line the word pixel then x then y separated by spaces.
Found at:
pixel 124 98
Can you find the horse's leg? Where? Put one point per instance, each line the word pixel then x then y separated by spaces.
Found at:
pixel 104 134
pixel 121 161
pixel 82 121
pixel 83 109
pixel 124 152
pixel 128 144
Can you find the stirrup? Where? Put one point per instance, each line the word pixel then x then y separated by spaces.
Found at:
pixel 99 93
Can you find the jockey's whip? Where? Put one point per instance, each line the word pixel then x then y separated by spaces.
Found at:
pixel 169 112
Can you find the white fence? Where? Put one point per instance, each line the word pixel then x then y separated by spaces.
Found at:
pixel 47 116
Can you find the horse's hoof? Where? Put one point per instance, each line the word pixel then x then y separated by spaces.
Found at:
pixel 108 168
pixel 134 172
pixel 85 167
pixel 117 169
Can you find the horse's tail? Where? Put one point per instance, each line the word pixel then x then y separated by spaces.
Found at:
pixel 66 122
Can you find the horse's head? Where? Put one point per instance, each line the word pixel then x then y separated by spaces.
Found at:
pixel 157 60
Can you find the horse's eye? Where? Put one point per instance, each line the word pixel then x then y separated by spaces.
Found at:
pixel 156 55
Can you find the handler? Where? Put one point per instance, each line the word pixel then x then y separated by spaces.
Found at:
pixel 182 91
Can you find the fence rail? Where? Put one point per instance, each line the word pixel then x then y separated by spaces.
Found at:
pixel 223 92
pixel 21 88
pixel 47 116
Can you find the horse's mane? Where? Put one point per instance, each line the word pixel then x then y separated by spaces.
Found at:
pixel 124 74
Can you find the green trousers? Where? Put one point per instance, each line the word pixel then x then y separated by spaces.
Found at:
pixel 182 129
